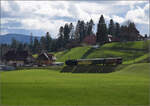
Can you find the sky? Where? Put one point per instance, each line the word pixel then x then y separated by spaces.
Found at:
pixel 39 17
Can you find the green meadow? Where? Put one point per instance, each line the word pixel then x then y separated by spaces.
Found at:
pixel 129 85
pixel 126 86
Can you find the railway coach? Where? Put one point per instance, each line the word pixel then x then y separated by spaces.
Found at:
pixel 95 61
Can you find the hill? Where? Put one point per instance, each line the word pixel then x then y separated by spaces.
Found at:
pixel 7 38
pixel 130 51
pixel 74 53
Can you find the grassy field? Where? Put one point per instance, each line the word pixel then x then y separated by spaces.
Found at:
pixel 129 85
pixel 130 51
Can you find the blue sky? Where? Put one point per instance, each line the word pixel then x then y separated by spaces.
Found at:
pixel 40 17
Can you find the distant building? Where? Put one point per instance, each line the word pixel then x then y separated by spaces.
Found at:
pixel 45 59
pixel 113 39
pixel 17 58
pixel 90 40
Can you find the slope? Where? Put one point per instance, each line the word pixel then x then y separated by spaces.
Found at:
pixel 131 52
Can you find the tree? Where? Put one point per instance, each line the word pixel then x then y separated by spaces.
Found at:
pixel 66 33
pixel 101 31
pixel 54 45
pixel 132 32
pixel 60 41
pixel 77 30
pixel 36 45
pixel 111 29
pixel 43 43
pixel 71 29
pixel 14 44
pixel 81 30
pixel 48 42
pixel 31 43
pixel 145 36
pixel 117 30
pixel 123 33
pixel 90 27
pixel 20 47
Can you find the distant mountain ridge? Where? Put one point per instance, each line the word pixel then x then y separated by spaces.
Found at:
pixel 7 38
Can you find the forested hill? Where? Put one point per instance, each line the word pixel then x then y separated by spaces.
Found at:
pixel 7 38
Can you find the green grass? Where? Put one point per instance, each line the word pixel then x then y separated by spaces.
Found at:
pixel 130 51
pixel 74 53
pixel 129 85
pixel 143 58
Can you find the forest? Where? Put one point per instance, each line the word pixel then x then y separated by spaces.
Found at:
pixel 72 36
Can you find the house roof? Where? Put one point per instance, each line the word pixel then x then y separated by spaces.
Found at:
pixel 46 56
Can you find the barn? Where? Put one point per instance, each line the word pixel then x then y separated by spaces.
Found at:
pixel 45 59
pixel 17 58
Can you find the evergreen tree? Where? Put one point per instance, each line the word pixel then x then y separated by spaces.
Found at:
pixel 111 29
pixel 81 30
pixel 90 27
pixel 14 44
pixel 43 43
pixel 36 46
pixel 132 32
pixel 48 42
pixel 71 29
pixel 123 33
pixel 31 42
pixel 102 31
pixel 54 45
pixel 20 47
pixel 117 30
pixel 60 41
pixel 145 36
pixel 77 31
pixel 66 33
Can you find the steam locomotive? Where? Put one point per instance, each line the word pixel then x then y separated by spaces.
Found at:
pixel 95 61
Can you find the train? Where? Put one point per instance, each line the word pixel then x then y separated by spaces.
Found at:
pixel 95 61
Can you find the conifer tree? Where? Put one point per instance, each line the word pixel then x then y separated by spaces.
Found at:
pixel 111 29
pixel 101 31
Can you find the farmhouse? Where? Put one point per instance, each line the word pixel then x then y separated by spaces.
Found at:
pixel 45 59
pixel 17 58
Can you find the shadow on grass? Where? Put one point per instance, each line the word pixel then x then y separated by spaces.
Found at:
pixel 89 69
pixel 87 53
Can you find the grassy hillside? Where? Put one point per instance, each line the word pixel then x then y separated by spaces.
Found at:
pixel 130 51
pixel 128 86
pixel 74 53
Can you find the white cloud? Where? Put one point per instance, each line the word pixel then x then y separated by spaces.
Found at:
pixel 40 15
pixel 137 15
pixel 43 24
pixel 118 19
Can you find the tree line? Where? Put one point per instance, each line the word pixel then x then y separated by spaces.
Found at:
pixel 70 34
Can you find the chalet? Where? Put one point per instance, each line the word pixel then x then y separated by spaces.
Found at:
pixel 45 59
pixel 17 58
pixel 90 40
